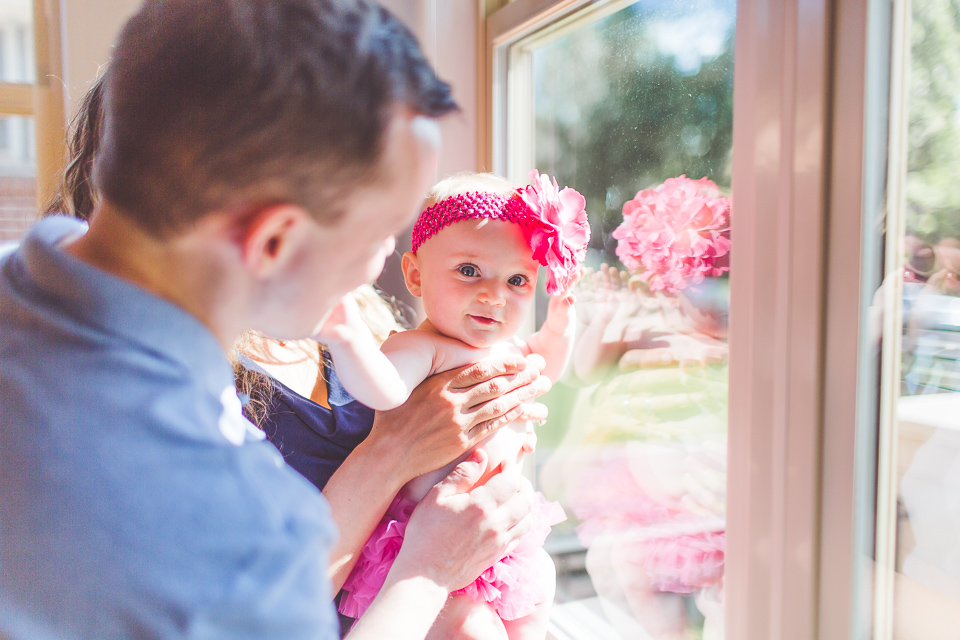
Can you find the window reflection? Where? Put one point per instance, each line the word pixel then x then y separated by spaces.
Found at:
pixel 928 408
pixel 636 100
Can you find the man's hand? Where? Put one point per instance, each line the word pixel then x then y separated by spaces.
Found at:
pixel 459 530
pixel 452 411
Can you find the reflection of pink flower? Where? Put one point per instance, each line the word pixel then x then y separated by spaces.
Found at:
pixel 675 234
pixel 560 242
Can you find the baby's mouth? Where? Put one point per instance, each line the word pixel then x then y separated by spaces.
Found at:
pixel 484 320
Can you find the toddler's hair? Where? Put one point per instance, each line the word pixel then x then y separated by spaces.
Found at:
pixel 467 181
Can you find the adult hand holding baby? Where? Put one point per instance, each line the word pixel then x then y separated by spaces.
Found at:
pixel 460 529
pixel 452 411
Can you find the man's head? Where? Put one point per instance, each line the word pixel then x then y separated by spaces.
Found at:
pixel 237 104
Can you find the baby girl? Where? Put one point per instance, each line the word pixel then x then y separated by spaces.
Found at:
pixel 477 248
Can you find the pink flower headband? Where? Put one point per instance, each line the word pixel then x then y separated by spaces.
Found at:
pixel 554 221
pixel 675 234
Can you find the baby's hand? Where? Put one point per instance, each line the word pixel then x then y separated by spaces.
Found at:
pixel 561 314
pixel 344 323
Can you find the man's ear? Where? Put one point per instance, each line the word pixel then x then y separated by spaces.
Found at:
pixel 410 266
pixel 270 237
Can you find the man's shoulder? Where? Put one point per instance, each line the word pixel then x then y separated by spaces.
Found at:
pixel 137 490
pixel 123 485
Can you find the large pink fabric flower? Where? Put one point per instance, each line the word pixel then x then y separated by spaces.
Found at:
pixel 560 242
pixel 675 234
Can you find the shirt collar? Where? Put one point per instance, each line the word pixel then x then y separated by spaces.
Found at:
pixel 98 299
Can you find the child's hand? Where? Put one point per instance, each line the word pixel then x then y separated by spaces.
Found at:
pixel 343 324
pixel 561 314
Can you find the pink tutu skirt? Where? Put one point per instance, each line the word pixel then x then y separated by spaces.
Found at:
pixel 510 586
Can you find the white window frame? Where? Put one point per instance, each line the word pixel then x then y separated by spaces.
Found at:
pixel 796 522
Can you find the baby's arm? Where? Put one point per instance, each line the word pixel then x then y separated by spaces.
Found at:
pixel 365 372
pixel 616 300
pixel 554 341
pixel 383 377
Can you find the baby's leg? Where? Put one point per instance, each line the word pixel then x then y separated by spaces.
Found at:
pixel 534 626
pixel 463 618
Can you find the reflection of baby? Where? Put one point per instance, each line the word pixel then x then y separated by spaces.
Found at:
pixel 623 323
pixel 476 252
pixel 643 463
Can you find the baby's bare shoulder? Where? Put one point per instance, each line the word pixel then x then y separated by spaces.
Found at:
pixel 512 347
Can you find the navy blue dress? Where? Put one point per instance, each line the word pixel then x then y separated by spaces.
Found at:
pixel 316 439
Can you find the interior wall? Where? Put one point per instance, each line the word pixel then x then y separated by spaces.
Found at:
pixel 447 30
pixel 89 29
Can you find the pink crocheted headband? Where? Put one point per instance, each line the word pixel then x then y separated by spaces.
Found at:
pixel 555 222
pixel 468 206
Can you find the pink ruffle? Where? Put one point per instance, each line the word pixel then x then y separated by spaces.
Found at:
pixel 377 556
pixel 511 585
pixel 607 499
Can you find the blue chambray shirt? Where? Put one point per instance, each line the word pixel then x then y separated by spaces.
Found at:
pixel 135 501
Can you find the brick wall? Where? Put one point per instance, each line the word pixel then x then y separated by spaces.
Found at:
pixel 18 206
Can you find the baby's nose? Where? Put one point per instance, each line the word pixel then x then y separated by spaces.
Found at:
pixel 493 294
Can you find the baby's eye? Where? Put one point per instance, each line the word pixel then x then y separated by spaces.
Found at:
pixel 517 281
pixel 468 270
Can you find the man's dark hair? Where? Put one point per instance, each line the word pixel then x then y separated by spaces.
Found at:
pixel 219 104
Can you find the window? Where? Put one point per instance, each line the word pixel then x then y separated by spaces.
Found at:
pixel 31 110
pixel 614 100
pixel 18 160
pixel 809 140
pixel 915 334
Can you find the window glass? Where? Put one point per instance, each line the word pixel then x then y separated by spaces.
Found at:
pixel 16 41
pixel 17 135
pixel 18 201
pixel 631 104
pixel 923 463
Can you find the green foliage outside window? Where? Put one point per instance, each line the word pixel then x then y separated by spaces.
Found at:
pixel 933 178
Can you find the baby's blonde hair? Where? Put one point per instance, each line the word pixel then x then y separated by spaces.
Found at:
pixel 466 182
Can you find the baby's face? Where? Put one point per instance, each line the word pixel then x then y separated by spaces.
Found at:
pixel 477 280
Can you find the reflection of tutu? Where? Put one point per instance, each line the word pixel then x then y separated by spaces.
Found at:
pixel 681 550
pixel 511 585
pixel 681 563
pixel 608 498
